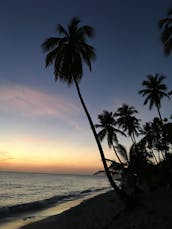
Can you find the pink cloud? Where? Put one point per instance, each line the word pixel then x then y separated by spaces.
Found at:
pixel 31 102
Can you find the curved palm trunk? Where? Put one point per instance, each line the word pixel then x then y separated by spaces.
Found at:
pixel 160 117
pixel 120 193
pixel 117 154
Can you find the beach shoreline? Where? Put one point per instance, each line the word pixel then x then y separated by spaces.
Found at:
pixel 84 215
pixel 18 220
pixel 106 211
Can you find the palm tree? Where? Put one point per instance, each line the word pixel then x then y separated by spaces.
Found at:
pixel 154 90
pixel 166 32
pixel 155 137
pixel 127 121
pixel 151 137
pixel 67 54
pixel 107 125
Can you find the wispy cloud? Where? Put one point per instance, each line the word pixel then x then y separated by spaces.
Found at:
pixel 31 102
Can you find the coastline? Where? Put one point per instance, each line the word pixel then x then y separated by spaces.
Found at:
pixel 16 221
pixel 85 215
pixel 105 211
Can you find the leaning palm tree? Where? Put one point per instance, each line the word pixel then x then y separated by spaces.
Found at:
pixel 127 121
pixel 107 130
pixel 154 90
pixel 67 53
pixel 166 32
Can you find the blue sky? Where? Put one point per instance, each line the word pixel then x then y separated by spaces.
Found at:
pixel 36 113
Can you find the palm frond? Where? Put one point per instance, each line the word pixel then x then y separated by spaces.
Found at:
pixel 69 52
pixel 122 151
pixel 86 31
pixel 50 43
pixel 61 30
pixel 102 134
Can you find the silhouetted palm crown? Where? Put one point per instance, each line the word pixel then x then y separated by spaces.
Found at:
pixel 166 35
pixel 68 52
pixel 126 119
pixel 152 133
pixel 155 90
pixel 107 125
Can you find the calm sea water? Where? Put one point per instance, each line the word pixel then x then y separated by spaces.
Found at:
pixel 25 188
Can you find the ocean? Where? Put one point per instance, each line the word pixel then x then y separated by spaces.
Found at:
pixel 30 191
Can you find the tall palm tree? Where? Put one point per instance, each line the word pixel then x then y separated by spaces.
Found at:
pixel 154 90
pixel 67 53
pixel 127 121
pixel 107 129
pixel 166 32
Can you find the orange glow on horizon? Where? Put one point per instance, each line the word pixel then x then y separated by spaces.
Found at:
pixel 77 168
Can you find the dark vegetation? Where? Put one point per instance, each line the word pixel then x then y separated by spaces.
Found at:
pixel 148 163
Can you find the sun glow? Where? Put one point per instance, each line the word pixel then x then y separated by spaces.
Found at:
pixel 43 155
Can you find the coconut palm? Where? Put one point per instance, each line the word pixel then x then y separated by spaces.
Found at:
pixel 166 32
pixel 67 53
pixel 154 137
pixel 127 121
pixel 151 137
pixel 154 90
pixel 107 129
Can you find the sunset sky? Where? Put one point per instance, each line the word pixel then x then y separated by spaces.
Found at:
pixel 43 126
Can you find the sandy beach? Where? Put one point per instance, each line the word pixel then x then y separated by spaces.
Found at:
pixel 91 213
pixel 105 211
pixel 16 221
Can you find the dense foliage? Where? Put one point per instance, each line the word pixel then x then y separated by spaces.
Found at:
pixel 148 162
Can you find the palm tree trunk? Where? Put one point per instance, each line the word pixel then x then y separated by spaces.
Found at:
pixel 116 154
pixel 160 117
pixel 120 193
